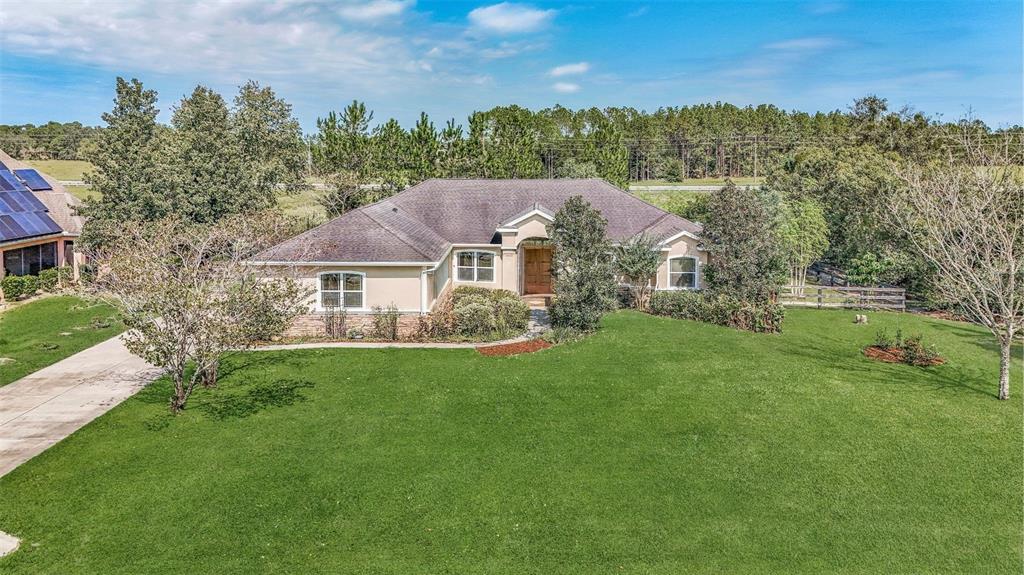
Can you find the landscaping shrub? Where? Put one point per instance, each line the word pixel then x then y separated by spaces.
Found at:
pixel 511 314
pixel 910 350
pixel 582 269
pixel 720 309
pixel 19 286
pixel 474 312
pixel 474 317
pixel 385 323
pixel 334 319
pixel 49 280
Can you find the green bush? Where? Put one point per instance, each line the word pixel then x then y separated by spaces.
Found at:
pixel 720 309
pixel 474 317
pixel 511 315
pixel 50 280
pixel 477 312
pixel 18 286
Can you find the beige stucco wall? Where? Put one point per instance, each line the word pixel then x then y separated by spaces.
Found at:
pixel 683 246
pixel 383 285
pixel 15 245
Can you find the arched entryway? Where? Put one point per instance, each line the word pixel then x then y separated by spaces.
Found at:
pixel 536 267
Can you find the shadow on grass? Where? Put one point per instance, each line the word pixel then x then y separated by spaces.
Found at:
pixel 258 397
pixel 858 368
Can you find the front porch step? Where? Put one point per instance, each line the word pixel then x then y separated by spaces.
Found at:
pixel 537 301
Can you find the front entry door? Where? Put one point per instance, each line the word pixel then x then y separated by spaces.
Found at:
pixel 537 269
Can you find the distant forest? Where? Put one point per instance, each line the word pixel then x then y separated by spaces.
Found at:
pixel 618 144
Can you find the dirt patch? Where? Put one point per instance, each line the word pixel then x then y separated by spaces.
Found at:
pixel 517 348
pixel 895 355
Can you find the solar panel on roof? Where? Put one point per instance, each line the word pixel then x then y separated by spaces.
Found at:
pixel 10 183
pixel 26 225
pixel 14 202
pixel 33 180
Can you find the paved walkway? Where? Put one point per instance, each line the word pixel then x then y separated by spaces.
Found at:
pixel 40 409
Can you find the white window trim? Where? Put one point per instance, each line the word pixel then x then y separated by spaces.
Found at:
pixel 668 273
pixel 319 292
pixel 455 267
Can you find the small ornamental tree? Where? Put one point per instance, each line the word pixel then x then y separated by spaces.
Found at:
pixel 584 281
pixel 636 263
pixel 965 217
pixel 740 236
pixel 188 294
pixel 803 237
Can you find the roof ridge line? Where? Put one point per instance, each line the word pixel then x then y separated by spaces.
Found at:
pixel 399 235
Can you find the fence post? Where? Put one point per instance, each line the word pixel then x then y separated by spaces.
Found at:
pixel 819 298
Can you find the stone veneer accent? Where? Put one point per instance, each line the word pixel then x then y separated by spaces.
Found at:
pixel 312 325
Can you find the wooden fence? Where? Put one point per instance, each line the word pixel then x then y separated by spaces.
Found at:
pixel 845 297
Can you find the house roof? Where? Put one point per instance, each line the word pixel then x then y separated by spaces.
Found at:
pixel 422 222
pixel 61 206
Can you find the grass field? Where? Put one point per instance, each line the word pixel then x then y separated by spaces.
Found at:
pixel 654 446
pixel 61 169
pixel 40 332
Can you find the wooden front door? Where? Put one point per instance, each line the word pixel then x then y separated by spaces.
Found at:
pixel 537 269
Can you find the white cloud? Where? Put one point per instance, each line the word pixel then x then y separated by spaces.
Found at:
pixel 638 12
pixel 509 18
pixel 373 11
pixel 810 44
pixel 569 69
pixel 304 43
pixel 565 87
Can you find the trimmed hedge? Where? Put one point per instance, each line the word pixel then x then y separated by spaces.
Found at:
pixel 720 309
pixel 476 313
pixel 17 286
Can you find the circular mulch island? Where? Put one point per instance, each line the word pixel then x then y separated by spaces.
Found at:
pixel 895 355
pixel 517 348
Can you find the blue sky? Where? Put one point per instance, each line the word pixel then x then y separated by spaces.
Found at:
pixel 59 60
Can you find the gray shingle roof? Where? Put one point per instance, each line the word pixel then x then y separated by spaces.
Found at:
pixel 420 223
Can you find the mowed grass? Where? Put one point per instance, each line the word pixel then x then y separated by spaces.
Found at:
pixel 37 333
pixel 654 446
pixel 62 169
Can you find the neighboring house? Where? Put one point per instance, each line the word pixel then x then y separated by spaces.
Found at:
pixel 38 224
pixel 409 249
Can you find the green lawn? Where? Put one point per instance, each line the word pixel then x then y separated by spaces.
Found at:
pixel 62 169
pixel 655 446
pixel 40 332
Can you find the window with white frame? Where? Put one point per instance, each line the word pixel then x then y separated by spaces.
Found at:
pixel 342 289
pixel 474 267
pixel 682 273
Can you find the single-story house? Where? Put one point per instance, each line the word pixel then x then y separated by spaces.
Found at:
pixel 38 221
pixel 409 249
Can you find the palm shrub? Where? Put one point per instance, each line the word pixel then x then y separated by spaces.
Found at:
pixel 584 281
pixel 636 262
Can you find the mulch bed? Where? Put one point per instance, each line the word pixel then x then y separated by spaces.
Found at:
pixel 528 346
pixel 894 355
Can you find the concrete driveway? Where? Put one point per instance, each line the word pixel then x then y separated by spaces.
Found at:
pixel 40 409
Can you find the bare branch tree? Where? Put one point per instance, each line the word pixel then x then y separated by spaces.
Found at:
pixel 188 294
pixel 965 217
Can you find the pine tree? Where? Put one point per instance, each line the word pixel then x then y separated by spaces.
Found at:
pixel 270 141
pixel 131 176
pixel 212 182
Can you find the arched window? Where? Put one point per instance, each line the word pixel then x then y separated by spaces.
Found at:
pixel 341 289
pixel 474 266
pixel 682 273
